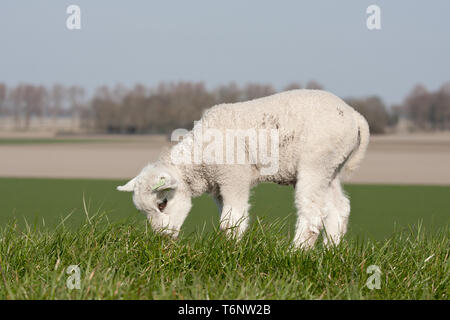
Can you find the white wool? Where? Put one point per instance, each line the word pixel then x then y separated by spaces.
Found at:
pixel 320 138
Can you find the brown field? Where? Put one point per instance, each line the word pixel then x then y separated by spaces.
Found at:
pixel 408 159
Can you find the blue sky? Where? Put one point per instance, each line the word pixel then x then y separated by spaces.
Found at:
pixel 216 42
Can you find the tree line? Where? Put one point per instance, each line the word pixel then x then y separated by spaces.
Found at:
pixel 168 106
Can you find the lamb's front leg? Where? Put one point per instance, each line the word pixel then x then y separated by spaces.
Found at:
pixel 234 217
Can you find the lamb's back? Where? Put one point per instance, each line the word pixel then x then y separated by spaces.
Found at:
pixel 289 109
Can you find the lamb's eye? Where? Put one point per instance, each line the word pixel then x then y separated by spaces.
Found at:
pixel 162 205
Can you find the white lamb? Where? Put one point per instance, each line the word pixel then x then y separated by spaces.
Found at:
pixel 320 138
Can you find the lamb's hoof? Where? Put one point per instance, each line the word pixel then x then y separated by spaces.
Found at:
pixel 331 241
pixel 306 242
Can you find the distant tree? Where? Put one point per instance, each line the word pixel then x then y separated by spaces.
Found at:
pixel 417 105
pixel 397 112
pixel 292 86
pixel 40 101
pixel 57 97
pixel 163 108
pixel 254 91
pixel 35 98
pixel 17 103
pixel 230 93
pixel 75 96
pixel 441 108
pixel 3 96
pixel 119 92
pixel 106 111
pixel 27 101
pixel 374 110
pixel 134 110
pixel 312 84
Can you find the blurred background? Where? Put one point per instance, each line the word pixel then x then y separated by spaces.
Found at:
pixel 100 102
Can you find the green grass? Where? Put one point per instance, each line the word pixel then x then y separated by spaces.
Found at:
pixel 126 261
pixel 402 229
pixel 377 210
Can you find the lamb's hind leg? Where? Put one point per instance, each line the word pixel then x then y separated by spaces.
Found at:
pixel 337 208
pixel 310 196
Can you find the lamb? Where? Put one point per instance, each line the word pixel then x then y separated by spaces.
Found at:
pixel 318 140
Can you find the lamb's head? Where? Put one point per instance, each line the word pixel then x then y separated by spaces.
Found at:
pixel 162 196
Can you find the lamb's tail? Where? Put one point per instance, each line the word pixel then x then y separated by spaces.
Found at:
pixel 359 151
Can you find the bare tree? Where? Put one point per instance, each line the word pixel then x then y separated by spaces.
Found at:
pixel 417 105
pixel 3 95
pixel 161 109
pixel 75 95
pixel 374 110
pixel 293 86
pixel 57 97
pixel 312 84
pixel 106 111
pixel 230 93
pixel 16 97
pixel 441 106
pixel 254 91
pixel 35 100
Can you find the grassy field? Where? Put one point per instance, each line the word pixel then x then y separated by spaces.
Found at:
pixel 402 229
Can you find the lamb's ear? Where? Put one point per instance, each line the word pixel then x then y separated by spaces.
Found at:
pixel 165 181
pixel 129 186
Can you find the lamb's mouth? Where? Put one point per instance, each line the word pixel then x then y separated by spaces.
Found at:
pixel 167 231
